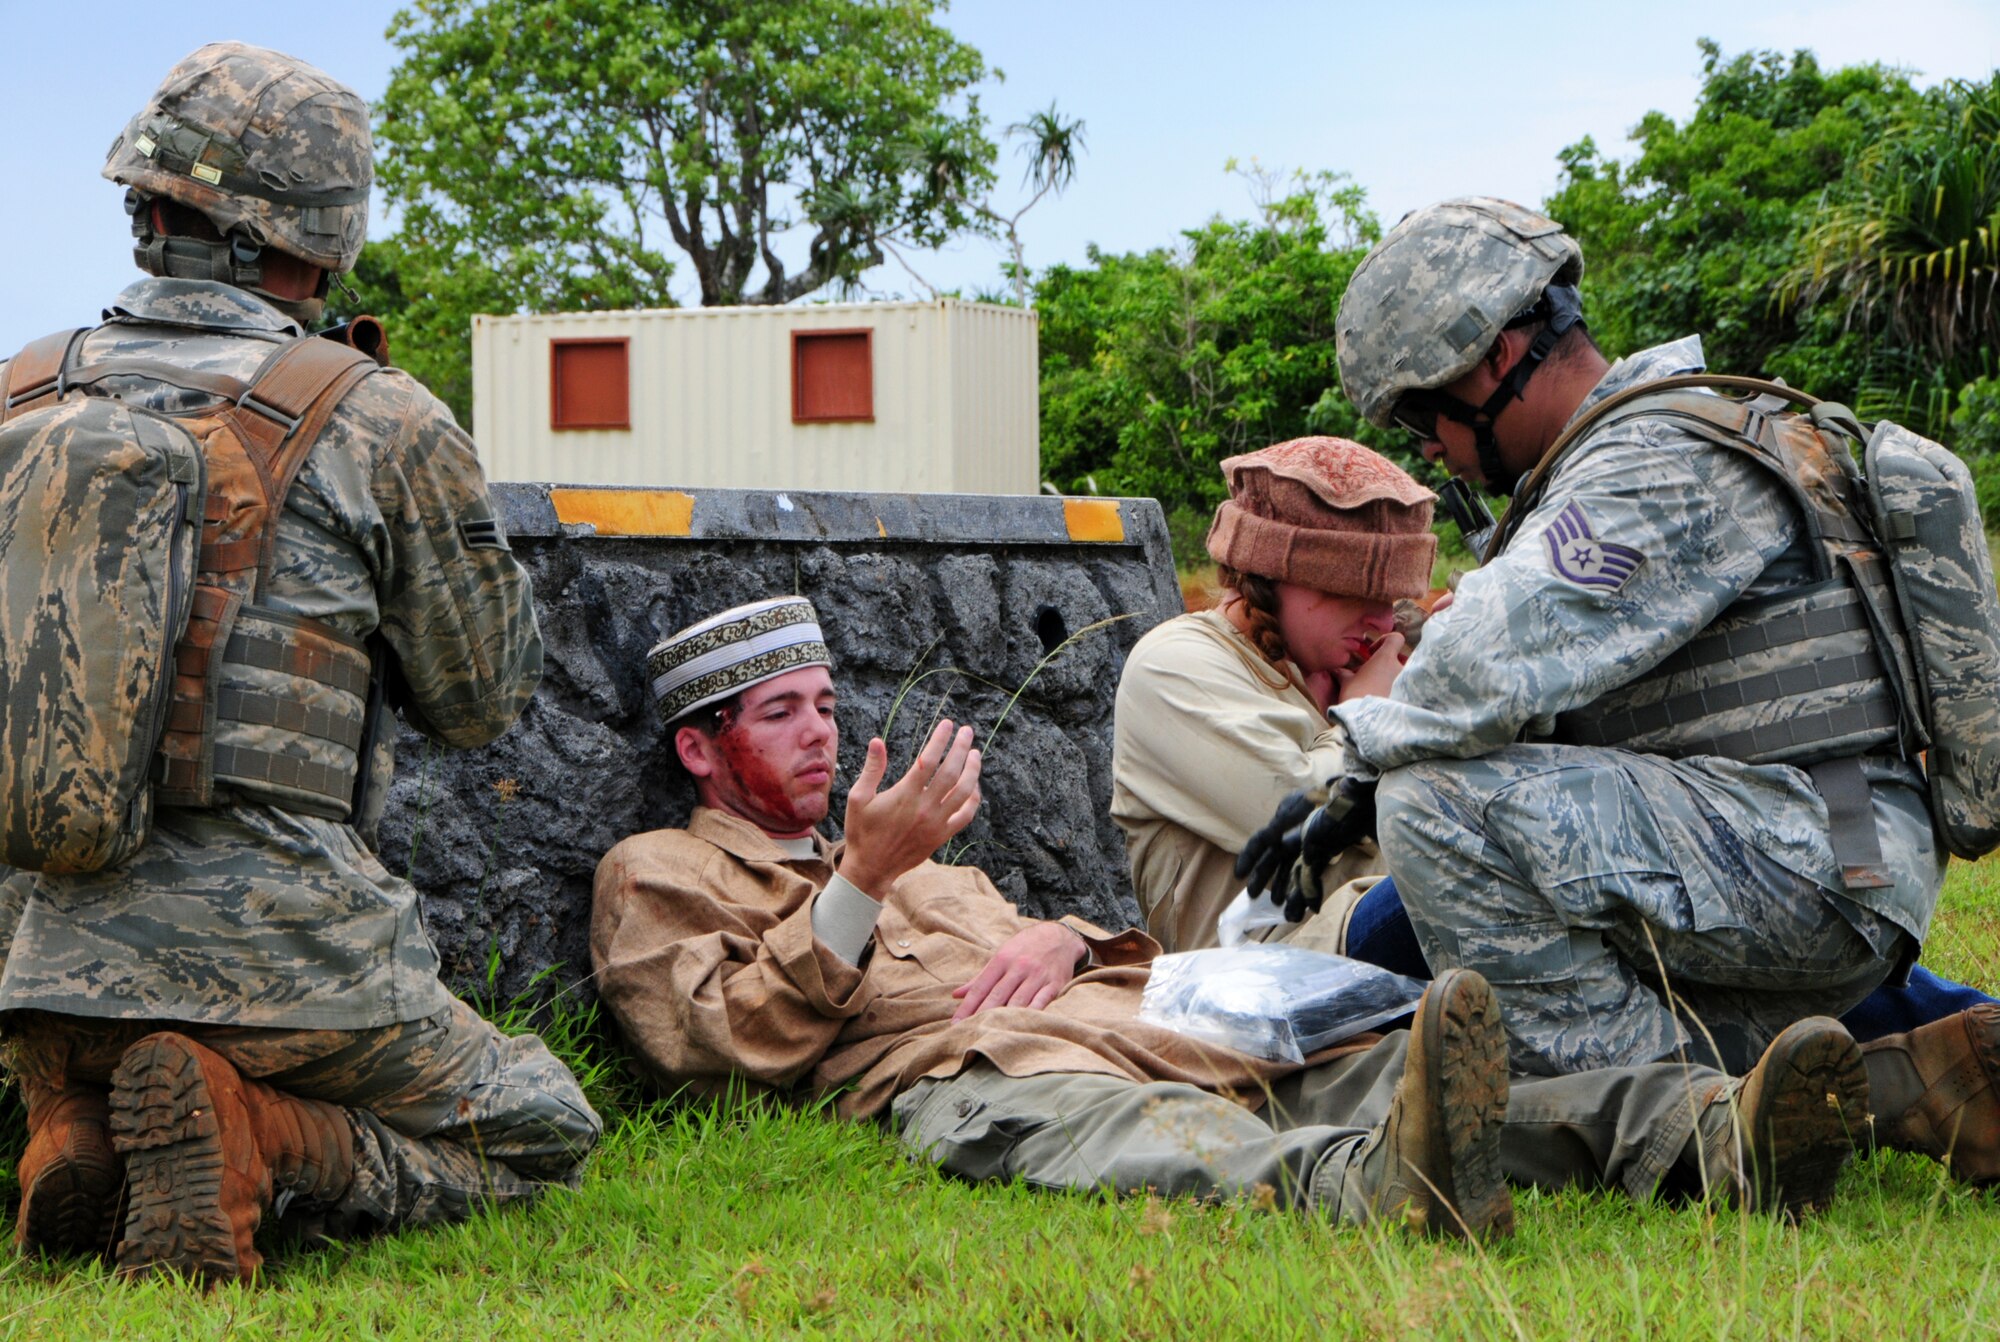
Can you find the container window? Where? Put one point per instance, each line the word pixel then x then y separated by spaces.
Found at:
pixel 590 384
pixel 833 376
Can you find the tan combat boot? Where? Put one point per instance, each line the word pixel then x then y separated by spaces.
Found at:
pixel 1797 1118
pixel 206 1151
pixel 1949 1105
pixel 70 1176
pixel 1435 1162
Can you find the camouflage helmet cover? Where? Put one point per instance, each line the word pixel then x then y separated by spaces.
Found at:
pixel 1434 295
pixel 259 142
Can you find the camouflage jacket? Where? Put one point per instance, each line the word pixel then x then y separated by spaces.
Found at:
pixel 1686 529
pixel 246 914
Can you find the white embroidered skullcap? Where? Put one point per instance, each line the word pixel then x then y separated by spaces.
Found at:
pixel 725 654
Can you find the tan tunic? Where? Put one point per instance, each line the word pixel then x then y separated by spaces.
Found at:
pixel 1208 740
pixel 703 946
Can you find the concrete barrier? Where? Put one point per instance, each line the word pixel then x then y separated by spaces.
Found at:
pixel 950 603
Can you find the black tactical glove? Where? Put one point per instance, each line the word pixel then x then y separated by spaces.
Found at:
pixel 1273 849
pixel 1308 829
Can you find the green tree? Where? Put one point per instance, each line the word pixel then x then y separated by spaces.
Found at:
pixel 1907 248
pixel 1699 231
pixel 1052 144
pixel 427 311
pixel 587 136
pixel 565 155
pixel 1975 435
pixel 1157 365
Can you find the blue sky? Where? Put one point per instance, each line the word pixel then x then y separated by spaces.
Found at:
pixel 1416 100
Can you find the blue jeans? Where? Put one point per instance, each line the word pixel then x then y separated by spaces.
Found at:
pixel 1379 932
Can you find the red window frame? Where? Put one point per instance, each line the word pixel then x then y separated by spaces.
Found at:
pixel 595 415
pixel 802 413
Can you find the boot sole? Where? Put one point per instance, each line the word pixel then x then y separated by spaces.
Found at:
pixel 1805 1118
pixel 163 1122
pixel 1467 1046
pixel 73 1206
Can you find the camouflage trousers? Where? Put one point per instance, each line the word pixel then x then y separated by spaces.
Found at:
pixel 1638 1130
pixel 1562 875
pixel 449 1114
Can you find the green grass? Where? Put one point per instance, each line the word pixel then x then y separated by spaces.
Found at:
pixel 748 1220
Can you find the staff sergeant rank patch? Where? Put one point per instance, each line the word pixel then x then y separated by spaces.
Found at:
pixel 1579 557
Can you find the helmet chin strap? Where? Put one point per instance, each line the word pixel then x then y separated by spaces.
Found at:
pixel 1499 480
pixel 1559 308
pixel 234 260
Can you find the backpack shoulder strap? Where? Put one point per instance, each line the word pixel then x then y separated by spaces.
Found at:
pixel 35 374
pixel 1737 417
pixel 268 431
pixel 282 414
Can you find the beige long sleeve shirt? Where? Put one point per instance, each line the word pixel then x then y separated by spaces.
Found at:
pixel 1208 740
pixel 703 943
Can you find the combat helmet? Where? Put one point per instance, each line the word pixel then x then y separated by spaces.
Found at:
pixel 275 153
pixel 1427 303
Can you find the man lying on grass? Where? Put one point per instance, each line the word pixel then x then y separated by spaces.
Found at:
pixel 747 947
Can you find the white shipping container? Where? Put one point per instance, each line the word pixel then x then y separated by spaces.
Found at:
pixel 711 397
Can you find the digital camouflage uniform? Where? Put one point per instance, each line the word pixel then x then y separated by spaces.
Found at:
pixel 1601 889
pixel 277 938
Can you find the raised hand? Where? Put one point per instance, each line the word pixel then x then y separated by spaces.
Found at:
pixel 1378 673
pixel 889 832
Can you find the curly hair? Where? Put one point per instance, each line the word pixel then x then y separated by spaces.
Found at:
pixel 1260 611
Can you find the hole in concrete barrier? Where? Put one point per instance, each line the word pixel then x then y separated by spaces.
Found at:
pixel 1050 628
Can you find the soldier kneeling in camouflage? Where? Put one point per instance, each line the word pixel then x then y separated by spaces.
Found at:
pixel 235 1011
pixel 1684 760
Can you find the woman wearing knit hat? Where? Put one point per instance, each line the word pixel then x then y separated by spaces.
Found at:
pixel 1222 713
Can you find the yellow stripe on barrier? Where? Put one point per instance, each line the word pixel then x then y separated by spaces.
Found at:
pixel 1093 520
pixel 626 512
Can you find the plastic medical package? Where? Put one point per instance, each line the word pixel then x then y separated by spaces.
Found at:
pixel 1276 1002
pixel 1248 914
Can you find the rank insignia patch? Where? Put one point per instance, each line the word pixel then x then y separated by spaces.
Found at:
pixel 1578 556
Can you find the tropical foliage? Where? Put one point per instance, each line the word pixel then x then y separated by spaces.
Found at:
pixel 1158 365
pixel 1839 229
pixel 585 155
pixel 1699 230
pixel 584 138
pixel 1908 248
pixel 1836 228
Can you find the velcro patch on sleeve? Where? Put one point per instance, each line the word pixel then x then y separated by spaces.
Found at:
pixel 482 533
pixel 1579 557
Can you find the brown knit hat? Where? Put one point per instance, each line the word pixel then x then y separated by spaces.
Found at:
pixel 1328 514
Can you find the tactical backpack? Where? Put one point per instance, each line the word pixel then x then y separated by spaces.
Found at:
pixel 1896 647
pixel 133 546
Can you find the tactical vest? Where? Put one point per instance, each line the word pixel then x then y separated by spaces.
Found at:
pixel 264 706
pixel 1815 676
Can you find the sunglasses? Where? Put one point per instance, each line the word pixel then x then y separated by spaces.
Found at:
pixel 1417 412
